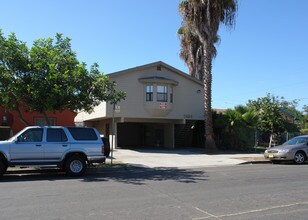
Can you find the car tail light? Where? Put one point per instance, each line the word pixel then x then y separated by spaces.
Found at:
pixel 103 149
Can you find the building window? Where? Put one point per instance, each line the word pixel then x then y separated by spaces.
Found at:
pixel 171 94
pixel 40 121
pixel 162 94
pixel 149 93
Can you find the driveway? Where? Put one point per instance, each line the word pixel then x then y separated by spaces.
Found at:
pixel 180 158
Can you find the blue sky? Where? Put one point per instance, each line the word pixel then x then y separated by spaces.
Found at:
pixel 267 52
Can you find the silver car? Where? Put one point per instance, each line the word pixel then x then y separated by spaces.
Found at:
pixel 295 149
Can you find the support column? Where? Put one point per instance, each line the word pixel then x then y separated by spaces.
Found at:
pixel 169 135
pixel 172 135
pixel 113 137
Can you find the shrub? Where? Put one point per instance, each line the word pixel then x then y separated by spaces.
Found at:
pixel 304 131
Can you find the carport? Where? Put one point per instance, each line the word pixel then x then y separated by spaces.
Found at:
pixel 145 135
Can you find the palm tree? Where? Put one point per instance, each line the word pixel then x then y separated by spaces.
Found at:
pixel 239 119
pixel 202 18
pixel 191 52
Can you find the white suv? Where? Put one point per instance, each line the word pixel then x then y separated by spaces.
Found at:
pixel 71 148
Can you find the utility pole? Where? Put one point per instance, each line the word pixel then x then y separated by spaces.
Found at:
pixel 112 131
pixel 116 97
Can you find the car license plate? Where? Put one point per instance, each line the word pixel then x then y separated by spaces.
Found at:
pixel 270 156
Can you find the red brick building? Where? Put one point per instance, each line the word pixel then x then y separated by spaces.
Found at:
pixel 64 118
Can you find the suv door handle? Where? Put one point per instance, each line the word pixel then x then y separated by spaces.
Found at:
pixel 64 145
pixel 38 145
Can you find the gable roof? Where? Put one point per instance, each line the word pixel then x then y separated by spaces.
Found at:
pixel 286 111
pixel 158 63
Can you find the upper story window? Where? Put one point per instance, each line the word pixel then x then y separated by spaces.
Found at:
pixel 162 93
pixel 149 93
pixel 171 94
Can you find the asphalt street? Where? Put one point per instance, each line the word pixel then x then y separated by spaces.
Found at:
pixel 258 191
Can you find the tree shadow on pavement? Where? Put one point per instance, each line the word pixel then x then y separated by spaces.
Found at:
pixel 125 174
pixel 139 175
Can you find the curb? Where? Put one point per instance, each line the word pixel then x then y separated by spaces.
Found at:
pixel 256 162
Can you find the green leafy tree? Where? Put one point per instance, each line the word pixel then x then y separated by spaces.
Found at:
pixel 305 109
pixel 269 113
pixel 201 21
pixel 14 73
pixel 304 128
pixel 49 78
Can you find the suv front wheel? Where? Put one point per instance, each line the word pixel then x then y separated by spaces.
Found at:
pixel 75 165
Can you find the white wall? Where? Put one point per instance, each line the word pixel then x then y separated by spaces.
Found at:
pixel 98 112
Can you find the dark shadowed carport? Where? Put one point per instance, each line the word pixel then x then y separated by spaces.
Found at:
pixel 148 135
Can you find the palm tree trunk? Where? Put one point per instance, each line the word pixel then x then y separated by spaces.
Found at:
pixel 210 145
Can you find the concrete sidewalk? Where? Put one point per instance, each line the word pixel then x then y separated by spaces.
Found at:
pixel 181 158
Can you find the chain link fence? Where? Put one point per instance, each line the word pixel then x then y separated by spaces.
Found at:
pixel 262 139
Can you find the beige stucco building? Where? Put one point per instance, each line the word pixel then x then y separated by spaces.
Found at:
pixel 160 110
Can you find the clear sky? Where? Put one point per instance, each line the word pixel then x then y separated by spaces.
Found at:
pixel 267 52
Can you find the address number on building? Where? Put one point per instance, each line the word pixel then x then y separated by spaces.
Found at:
pixel 117 109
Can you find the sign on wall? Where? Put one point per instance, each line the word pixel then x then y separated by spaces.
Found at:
pixel 117 109
pixel 163 105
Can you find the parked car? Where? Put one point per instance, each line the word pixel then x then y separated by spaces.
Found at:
pixel 70 148
pixel 295 149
